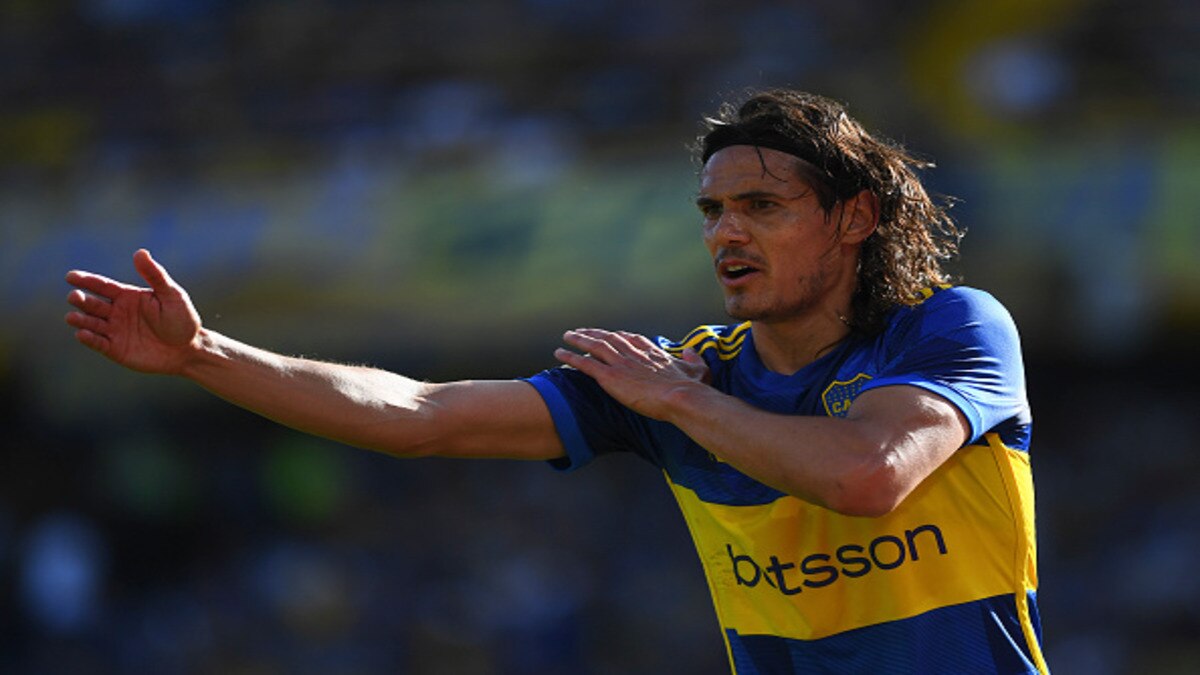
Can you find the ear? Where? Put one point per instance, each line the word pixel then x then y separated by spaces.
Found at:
pixel 860 215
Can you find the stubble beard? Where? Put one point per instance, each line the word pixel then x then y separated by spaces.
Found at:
pixel 740 307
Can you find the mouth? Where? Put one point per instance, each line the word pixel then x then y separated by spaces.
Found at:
pixel 735 272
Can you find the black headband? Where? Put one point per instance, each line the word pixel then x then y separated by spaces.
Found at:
pixel 726 135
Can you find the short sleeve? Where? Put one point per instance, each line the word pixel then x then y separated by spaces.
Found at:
pixel 961 344
pixel 589 422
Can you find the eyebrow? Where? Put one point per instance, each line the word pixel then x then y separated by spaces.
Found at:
pixel 702 200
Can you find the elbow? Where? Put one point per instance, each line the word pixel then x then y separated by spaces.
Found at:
pixel 422 437
pixel 411 433
pixel 870 489
pixel 410 449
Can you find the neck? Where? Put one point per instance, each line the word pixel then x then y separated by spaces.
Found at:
pixel 787 346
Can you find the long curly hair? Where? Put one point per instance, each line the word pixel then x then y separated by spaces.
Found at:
pixel 839 158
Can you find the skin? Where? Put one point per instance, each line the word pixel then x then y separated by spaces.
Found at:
pixel 759 214
pixel 156 329
pixel 783 263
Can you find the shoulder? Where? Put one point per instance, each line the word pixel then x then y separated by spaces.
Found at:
pixel 721 342
pixel 954 305
pixel 953 318
pixel 965 296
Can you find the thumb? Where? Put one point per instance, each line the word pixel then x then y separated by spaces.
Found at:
pixel 692 358
pixel 154 273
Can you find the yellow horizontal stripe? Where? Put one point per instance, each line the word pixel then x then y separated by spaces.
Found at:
pixel 796 570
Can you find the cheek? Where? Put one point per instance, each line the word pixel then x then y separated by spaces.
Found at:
pixel 800 262
pixel 816 249
pixel 792 251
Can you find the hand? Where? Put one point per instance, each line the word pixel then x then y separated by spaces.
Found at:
pixel 146 329
pixel 632 369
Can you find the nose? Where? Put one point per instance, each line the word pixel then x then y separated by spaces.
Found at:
pixel 727 229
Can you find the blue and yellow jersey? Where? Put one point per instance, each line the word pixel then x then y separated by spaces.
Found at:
pixel 946 583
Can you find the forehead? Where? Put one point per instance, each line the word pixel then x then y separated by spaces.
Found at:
pixel 743 168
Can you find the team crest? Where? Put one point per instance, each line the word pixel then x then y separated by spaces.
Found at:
pixel 838 396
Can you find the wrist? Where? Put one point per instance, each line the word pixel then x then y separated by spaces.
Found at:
pixel 207 348
pixel 688 402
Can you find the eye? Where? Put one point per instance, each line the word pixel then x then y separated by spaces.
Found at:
pixel 762 204
pixel 709 210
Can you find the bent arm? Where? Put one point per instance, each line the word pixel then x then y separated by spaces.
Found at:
pixel 377 409
pixel 864 464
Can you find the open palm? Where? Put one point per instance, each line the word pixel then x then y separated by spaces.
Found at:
pixel 147 329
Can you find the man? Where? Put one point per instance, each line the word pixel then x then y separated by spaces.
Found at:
pixel 851 459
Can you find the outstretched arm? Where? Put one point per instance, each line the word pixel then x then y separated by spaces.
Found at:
pixel 156 329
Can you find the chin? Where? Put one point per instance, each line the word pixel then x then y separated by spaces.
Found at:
pixel 740 312
pixel 743 307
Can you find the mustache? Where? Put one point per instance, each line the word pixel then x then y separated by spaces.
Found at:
pixel 738 254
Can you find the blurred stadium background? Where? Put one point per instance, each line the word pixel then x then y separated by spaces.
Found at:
pixel 442 187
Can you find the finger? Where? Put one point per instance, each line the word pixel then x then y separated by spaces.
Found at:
pixel 96 284
pixel 92 340
pixel 608 347
pixel 646 347
pixel 579 362
pixel 593 333
pixel 87 322
pixel 155 274
pixel 641 348
pixel 567 356
pixel 619 341
pixel 91 332
pixel 592 341
pixel 90 304
pixel 637 339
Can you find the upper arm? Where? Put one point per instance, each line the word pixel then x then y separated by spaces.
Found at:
pixel 962 345
pixel 503 419
pixel 956 374
pixel 910 432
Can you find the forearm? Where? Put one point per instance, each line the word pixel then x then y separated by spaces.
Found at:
pixel 862 464
pixel 359 406
pixel 828 461
pixel 376 409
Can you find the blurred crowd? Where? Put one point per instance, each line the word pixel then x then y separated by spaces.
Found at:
pixel 441 188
